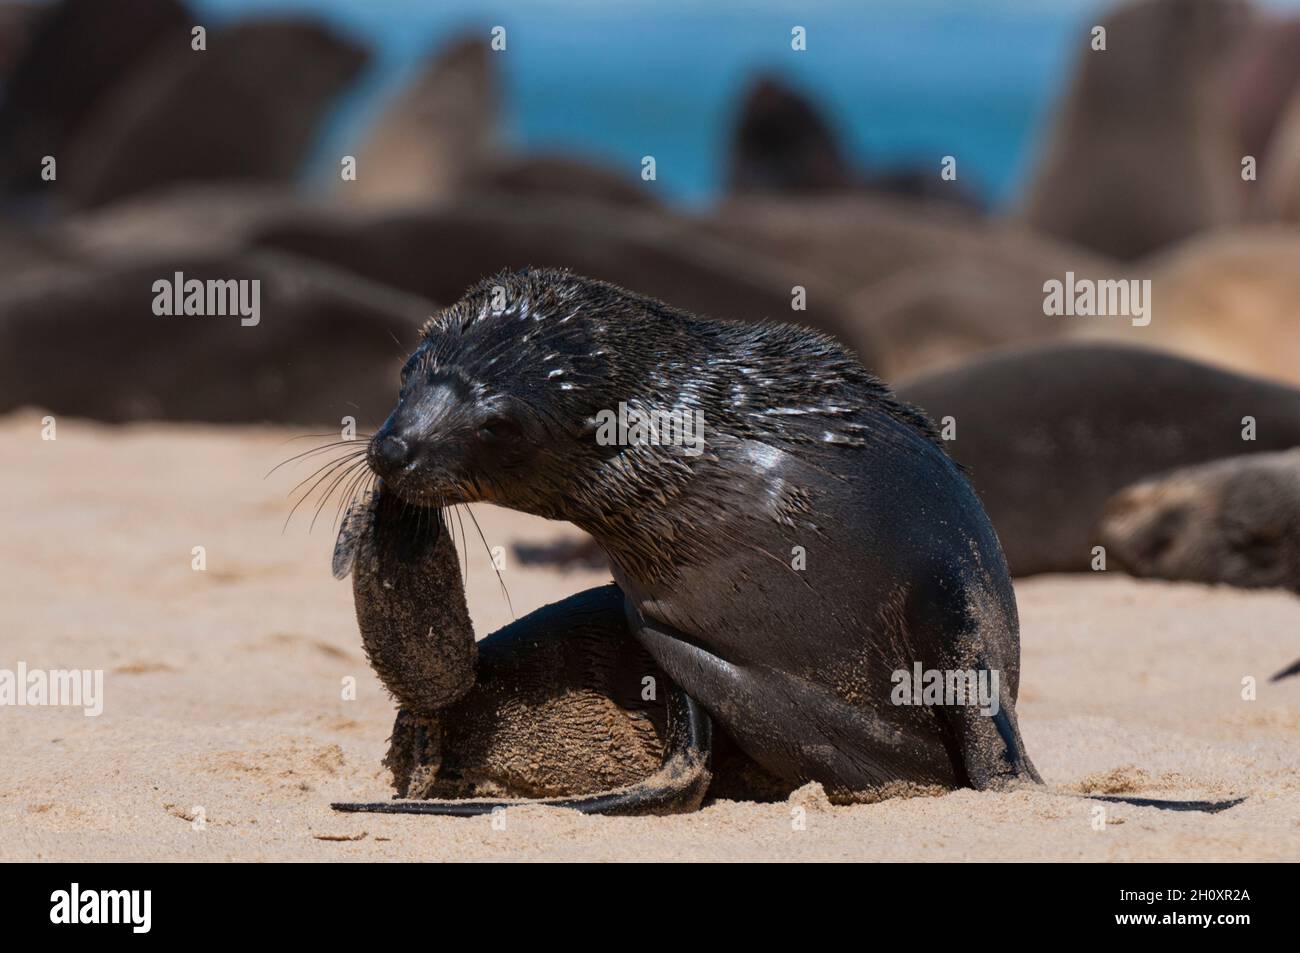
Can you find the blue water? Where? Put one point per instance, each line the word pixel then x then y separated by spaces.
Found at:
pixel 905 81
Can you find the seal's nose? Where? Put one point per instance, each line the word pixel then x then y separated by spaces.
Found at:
pixel 388 454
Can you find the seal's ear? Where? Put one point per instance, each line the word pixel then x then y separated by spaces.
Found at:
pixel 356 524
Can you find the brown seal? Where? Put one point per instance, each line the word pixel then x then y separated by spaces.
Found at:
pixel 1234 521
pixel 783 143
pixel 791 575
pixel 1050 433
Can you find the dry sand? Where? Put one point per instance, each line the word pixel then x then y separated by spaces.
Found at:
pixel 223 692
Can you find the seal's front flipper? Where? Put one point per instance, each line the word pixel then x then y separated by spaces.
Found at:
pixel 677 787
pixel 992 753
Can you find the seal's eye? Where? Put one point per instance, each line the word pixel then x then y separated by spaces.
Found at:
pixel 498 430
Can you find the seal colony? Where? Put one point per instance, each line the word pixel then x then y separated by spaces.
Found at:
pixel 821 542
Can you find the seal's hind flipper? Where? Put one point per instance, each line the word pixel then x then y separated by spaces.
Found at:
pixel 1207 807
pixel 1292 669
pixel 677 787
pixel 993 755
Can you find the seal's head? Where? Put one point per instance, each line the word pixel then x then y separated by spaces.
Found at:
pixel 1234 521
pixel 498 402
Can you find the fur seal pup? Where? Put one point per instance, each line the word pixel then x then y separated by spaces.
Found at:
pixel 550 707
pixel 1234 521
pixel 789 576
pixel 1050 433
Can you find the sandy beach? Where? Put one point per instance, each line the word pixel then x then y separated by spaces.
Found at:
pixel 224 733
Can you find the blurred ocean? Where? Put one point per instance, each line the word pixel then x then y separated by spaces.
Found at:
pixel 905 81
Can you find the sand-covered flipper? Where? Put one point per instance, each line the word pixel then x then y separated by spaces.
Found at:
pixel 561 707
pixel 677 787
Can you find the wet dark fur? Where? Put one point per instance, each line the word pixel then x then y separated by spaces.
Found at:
pixel 803 447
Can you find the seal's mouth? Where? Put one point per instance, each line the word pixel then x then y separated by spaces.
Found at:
pixel 411 476
pixel 410 491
